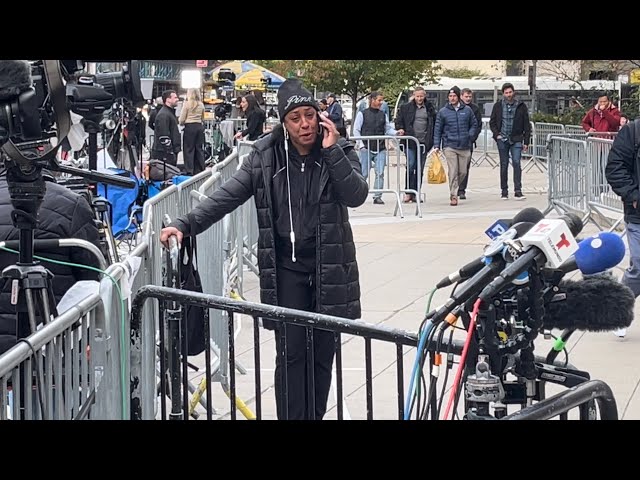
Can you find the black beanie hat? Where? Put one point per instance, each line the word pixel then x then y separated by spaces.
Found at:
pixel 455 90
pixel 292 94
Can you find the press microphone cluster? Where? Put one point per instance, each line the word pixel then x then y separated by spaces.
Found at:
pixel 546 244
pixel 550 242
pixel 504 229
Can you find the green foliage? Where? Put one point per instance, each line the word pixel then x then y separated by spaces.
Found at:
pixel 570 117
pixel 358 78
pixel 461 72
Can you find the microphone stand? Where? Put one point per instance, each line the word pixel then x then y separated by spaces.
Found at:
pixel 483 387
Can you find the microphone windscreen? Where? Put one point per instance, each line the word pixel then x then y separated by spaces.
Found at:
pixel 15 77
pixel 529 214
pixel 594 304
pixel 574 222
pixel 599 253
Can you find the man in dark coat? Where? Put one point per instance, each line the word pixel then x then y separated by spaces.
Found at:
pixel 168 141
pixel 303 177
pixel 416 118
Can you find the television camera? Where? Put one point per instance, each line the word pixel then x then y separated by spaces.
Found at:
pixel 36 98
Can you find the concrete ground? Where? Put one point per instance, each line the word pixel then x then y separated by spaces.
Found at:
pixel 400 261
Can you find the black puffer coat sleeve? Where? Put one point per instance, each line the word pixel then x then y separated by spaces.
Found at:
pixel 349 185
pixel 233 193
pixel 620 166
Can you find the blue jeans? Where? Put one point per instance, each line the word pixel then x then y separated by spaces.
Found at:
pixel 504 149
pixel 631 277
pixel 380 160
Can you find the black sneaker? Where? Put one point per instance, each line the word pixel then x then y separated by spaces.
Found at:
pixel 519 196
pixel 504 196
pixel 378 201
pixel 462 196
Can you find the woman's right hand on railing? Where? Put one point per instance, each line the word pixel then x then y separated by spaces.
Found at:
pixel 168 232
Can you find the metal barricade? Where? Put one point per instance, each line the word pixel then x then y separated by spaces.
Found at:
pixel 487 147
pixel 540 133
pixel 390 344
pixel 54 374
pixel 568 176
pixel 90 335
pixel 601 198
pixel 174 201
pixel 387 185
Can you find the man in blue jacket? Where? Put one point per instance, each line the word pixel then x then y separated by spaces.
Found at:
pixel 455 128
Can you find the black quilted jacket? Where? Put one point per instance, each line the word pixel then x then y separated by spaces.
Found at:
pixel 63 214
pixel 341 186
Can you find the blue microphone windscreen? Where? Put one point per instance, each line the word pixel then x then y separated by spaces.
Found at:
pixel 599 253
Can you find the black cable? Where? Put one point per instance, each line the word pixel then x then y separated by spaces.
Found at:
pixel 446 375
pixel 433 381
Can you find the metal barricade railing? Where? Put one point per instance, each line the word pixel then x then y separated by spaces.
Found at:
pixel 55 373
pixel 363 144
pixel 577 180
pixel 574 130
pixel 540 133
pixel 568 176
pixel 100 328
pixel 487 147
pixel 390 344
pixel 601 198
pixel 174 201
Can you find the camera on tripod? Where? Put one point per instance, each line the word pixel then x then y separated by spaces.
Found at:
pixel 222 111
pixel 35 106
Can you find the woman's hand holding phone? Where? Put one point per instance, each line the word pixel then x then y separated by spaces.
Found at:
pixel 329 132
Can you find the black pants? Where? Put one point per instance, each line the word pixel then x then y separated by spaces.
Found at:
pixel 462 188
pixel 412 166
pixel 193 142
pixel 297 290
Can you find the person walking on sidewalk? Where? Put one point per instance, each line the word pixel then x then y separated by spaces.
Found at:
pixel 455 127
pixel 467 97
pixel 511 130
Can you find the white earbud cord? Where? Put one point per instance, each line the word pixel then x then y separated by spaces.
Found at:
pixel 292 235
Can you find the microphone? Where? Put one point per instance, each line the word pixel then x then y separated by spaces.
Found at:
pixel 596 254
pixel 594 304
pixel 550 239
pixel 528 216
pixel 15 78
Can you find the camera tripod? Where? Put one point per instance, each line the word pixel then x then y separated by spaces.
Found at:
pixel 100 204
pixel 31 283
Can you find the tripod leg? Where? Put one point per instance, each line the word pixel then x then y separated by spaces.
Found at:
pixel 39 364
pixel 111 243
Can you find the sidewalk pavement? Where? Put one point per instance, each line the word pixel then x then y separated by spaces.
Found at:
pixel 400 261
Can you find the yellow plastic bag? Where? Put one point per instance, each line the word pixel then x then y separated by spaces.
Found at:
pixel 435 168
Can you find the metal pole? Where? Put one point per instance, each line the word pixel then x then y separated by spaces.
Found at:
pixel 533 86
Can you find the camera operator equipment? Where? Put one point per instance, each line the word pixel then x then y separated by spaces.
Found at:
pixel 34 109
